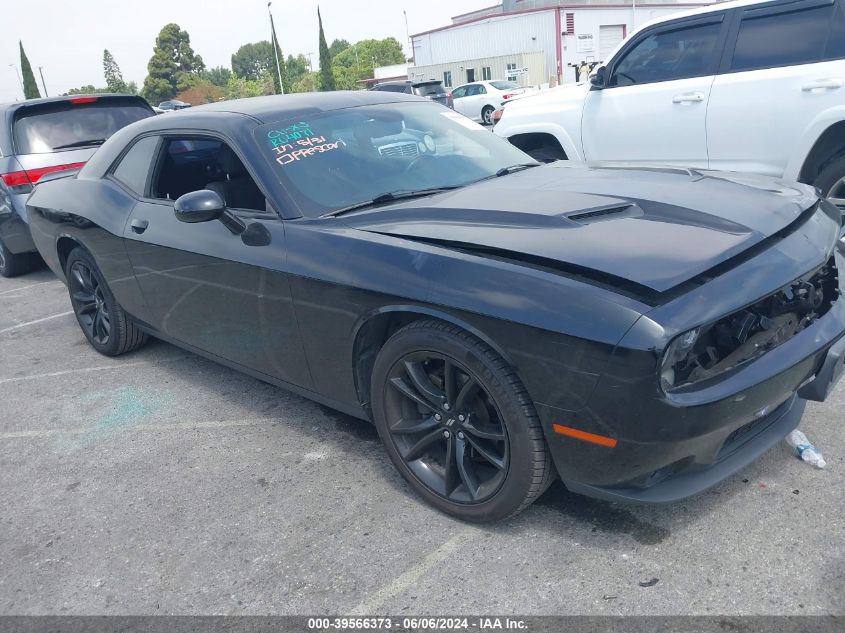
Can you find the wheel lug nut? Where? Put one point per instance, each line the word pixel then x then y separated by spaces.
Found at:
pixel 446 406
pixel 438 417
pixel 446 434
pixel 461 417
pixel 460 435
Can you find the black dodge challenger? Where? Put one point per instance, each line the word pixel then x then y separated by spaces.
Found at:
pixel 640 332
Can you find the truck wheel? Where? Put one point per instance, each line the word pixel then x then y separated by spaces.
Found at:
pixel 831 181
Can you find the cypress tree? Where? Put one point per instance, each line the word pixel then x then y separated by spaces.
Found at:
pixel 30 87
pixel 111 71
pixel 326 74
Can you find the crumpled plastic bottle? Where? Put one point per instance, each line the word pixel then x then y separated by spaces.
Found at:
pixel 804 450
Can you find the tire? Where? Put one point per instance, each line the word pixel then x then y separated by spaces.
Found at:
pixel 107 327
pixel 487 115
pixel 481 458
pixel 12 265
pixel 831 179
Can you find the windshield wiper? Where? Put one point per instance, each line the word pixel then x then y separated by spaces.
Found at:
pixel 504 171
pixel 389 196
pixel 91 142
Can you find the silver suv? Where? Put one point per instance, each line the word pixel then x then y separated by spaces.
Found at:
pixel 41 137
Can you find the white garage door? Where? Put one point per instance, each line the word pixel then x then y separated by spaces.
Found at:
pixel 609 38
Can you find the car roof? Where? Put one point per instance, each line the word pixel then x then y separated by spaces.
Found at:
pixel 710 8
pixel 276 107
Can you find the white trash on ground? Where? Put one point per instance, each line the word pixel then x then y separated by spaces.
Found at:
pixel 804 450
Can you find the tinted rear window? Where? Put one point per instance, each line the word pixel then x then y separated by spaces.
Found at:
pixel 782 39
pixel 423 90
pixel 391 87
pixel 65 125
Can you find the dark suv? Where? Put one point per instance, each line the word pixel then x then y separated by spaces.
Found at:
pixel 431 89
pixel 43 136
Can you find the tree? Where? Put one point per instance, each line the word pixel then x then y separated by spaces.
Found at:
pixel 111 71
pixel 281 71
pixel 203 91
pixel 219 76
pixel 90 89
pixel 30 87
pixel 239 87
pixel 326 74
pixel 309 82
pixel 252 59
pixel 356 63
pixel 174 65
pixel 296 68
pixel 338 46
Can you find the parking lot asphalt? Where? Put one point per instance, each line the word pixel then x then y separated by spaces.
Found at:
pixel 162 483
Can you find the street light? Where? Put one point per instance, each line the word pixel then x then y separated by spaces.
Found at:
pixel 20 81
pixel 275 48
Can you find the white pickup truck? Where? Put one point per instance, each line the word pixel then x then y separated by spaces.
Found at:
pixel 742 86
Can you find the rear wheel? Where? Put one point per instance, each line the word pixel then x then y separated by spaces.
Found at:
pixel 831 181
pixel 487 115
pixel 12 265
pixel 458 424
pixel 103 321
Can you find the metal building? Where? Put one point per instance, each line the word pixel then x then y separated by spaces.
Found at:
pixel 533 41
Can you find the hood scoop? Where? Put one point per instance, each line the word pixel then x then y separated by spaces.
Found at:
pixel 607 213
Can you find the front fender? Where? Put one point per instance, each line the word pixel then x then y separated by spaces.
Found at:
pixel 809 137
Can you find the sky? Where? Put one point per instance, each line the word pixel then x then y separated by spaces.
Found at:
pixel 67 38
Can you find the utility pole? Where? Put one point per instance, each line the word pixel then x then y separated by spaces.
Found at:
pixel 275 49
pixel 43 85
pixel 20 81
pixel 410 41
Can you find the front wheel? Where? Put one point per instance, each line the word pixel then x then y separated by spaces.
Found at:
pixel 458 424
pixel 103 321
pixel 487 115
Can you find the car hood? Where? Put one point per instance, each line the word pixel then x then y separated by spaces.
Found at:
pixel 655 227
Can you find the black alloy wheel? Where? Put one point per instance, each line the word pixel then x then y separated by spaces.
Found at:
pixel 107 327
pixel 446 427
pixel 89 303
pixel 457 422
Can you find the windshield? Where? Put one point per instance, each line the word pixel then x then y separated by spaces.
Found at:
pixel 66 125
pixel 345 157
pixel 504 85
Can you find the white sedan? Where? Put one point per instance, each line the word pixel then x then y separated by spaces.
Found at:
pixel 480 99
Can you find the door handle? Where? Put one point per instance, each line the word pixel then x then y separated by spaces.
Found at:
pixel 139 226
pixel 831 83
pixel 690 97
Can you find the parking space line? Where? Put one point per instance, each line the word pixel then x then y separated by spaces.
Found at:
pixel 36 322
pixel 41 283
pixel 176 426
pixel 413 575
pixel 83 370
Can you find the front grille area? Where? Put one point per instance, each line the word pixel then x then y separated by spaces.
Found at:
pixel 408 149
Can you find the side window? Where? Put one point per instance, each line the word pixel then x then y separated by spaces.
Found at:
pixel 835 48
pixel 782 39
pixel 134 167
pixel 481 90
pixel 189 164
pixel 457 93
pixel 668 55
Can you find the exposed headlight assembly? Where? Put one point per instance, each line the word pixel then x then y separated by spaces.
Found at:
pixel 709 350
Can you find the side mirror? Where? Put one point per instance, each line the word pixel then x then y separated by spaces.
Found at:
pixel 199 206
pixel 597 79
